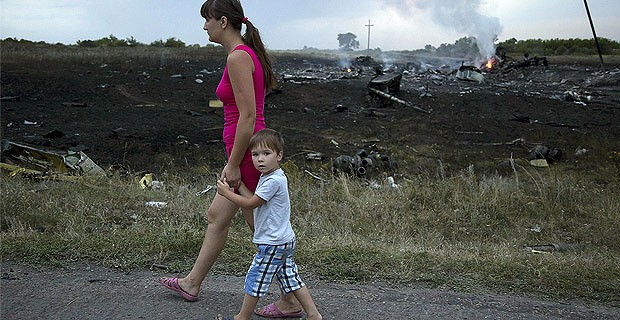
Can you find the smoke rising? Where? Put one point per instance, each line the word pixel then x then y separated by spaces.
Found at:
pixel 462 16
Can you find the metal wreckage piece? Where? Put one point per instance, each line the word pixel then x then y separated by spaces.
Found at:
pixel 362 163
pixel 386 86
pixel 47 164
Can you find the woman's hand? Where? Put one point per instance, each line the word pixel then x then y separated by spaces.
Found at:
pixel 232 175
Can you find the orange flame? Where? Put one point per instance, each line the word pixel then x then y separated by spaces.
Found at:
pixel 489 64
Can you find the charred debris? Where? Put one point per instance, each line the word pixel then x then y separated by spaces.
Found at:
pixel 422 78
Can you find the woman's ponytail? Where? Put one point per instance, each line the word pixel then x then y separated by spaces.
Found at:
pixel 253 40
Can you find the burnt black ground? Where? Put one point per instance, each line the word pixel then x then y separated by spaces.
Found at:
pixel 144 116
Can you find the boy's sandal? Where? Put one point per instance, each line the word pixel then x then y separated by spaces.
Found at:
pixel 272 311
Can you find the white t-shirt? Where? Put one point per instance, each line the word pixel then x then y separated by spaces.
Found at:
pixel 272 221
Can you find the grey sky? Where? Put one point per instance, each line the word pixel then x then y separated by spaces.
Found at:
pixel 398 24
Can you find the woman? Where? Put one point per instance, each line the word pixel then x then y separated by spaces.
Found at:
pixel 247 76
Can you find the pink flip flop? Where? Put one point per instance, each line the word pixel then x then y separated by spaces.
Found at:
pixel 173 284
pixel 271 311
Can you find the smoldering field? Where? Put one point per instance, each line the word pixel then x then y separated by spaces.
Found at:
pixel 468 201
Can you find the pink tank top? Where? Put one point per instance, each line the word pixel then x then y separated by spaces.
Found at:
pixel 225 93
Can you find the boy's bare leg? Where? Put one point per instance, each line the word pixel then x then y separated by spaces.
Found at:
pixel 303 296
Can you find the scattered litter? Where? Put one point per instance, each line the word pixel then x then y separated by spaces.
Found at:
pixel 540 163
pixel 207 189
pixel 315 176
pixel 74 104
pixel 199 81
pixel 391 182
pixel 340 108
pixel 156 204
pixel 10 98
pixel 315 156
pixel 536 229
pixel 148 182
pixel 580 152
pixel 156 184
pixel 159 266
pixel 216 104
pixel 553 247
pixel 194 113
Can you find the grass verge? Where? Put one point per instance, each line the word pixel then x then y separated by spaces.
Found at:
pixel 464 231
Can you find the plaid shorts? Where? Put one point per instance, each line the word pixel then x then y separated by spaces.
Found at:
pixel 273 260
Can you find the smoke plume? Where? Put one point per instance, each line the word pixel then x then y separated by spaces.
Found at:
pixel 462 16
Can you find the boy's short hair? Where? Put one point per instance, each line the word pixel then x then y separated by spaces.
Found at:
pixel 269 138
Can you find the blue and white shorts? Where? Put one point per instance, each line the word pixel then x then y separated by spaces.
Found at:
pixel 269 261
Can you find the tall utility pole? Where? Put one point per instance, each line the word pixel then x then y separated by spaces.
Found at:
pixel 369 25
pixel 594 33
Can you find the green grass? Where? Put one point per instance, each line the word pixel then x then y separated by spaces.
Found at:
pixel 465 231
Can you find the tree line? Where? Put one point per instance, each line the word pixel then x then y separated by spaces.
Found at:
pixel 467 46
pixel 112 41
pixel 462 47
pixel 559 47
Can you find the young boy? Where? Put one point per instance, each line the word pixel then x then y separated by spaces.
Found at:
pixel 273 233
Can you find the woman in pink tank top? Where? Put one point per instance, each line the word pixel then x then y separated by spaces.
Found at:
pixel 247 76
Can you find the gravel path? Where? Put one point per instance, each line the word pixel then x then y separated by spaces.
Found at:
pixel 81 291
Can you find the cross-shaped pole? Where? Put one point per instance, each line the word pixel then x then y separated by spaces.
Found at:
pixel 369 25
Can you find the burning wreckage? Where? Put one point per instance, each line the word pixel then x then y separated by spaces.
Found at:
pixel 503 72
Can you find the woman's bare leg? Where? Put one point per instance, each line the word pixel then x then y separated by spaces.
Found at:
pixel 219 216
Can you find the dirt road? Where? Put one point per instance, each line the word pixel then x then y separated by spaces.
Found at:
pixel 81 291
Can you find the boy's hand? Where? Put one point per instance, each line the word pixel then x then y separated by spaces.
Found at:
pixel 222 186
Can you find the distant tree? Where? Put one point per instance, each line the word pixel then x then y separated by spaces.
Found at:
pixel 174 43
pixel 132 42
pixel 157 43
pixel 465 47
pixel 86 43
pixel 347 41
pixel 112 41
pixel 170 43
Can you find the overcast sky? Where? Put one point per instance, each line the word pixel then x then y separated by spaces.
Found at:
pixel 291 24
